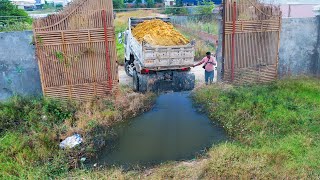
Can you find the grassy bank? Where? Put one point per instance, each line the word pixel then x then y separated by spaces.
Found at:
pixel 275 130
pixel 32 128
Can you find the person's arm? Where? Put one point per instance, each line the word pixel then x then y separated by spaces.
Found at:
pixel 214 61
pixel 201 62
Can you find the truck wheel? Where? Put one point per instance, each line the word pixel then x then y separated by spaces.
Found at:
pixel 126 67
pixel 135 81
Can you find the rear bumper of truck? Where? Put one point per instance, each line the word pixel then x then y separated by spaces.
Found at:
pixel 166 81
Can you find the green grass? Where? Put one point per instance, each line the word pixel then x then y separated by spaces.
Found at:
pixel 18 26
pixel 274 131
pixel 31 129
pixel 44 11
pixel 120 46
pixel 207 27
pixel 28 128
pixel 276 128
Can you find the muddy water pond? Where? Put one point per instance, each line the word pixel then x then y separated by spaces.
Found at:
pixel 172 130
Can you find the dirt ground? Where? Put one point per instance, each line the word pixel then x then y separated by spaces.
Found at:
pixel 198 71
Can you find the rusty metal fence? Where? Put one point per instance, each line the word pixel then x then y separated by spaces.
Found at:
pixel 251 41
pixel 76 51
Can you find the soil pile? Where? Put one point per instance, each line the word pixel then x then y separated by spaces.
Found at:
pixel 158 32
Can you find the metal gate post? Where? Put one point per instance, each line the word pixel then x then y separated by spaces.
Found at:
pixel 234 13
pixel 108 62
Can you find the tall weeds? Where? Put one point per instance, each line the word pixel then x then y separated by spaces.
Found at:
pixel 32 128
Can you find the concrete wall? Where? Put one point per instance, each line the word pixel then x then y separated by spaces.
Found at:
pixel 19 72
pixel 299 47
pixel 316 55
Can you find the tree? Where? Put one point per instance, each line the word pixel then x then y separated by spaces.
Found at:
pixel 206 7
pixel 8 9
pixel 138 2
pixel 118 4
pixel 180 10
pixel 150 4
pixel 179 3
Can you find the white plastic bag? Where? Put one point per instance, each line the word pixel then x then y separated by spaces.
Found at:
pixel 71 141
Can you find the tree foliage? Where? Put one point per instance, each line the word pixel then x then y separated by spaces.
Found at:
pixel 8 9
pixel 15 20
pixel 138 3
pixel 179 3
pixel 118 4
pixel 206 7
pixel 177 11
pixel 180 10
pixel 150 3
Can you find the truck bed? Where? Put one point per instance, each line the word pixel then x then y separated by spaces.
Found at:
pixel 159 57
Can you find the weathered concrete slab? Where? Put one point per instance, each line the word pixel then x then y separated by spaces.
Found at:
pixel 299 47
pixel 19 72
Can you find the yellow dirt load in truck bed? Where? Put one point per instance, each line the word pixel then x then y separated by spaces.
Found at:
pixel 158 32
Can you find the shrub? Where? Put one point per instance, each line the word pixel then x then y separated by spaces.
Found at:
pixel 206 7
pixel 150 4
pixel 19 20
pixel 177 11
pixel 138 3
pixel 28 112
pixel 118 4
pixel 59 7
pixel 8 9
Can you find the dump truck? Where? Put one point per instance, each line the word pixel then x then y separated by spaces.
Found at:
pixel 157 67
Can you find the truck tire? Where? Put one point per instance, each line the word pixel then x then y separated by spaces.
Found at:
pixel 135 80
pixel 126 67
pixel 143 82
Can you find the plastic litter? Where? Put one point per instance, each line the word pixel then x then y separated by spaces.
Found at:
pixel 71 141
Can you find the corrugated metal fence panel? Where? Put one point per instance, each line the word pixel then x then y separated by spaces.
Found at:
pixel 255 33
pixel 76 51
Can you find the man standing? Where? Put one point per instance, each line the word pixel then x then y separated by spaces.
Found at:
pixel 209 63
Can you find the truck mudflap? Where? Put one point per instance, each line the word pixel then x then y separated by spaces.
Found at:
pixel 166 81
